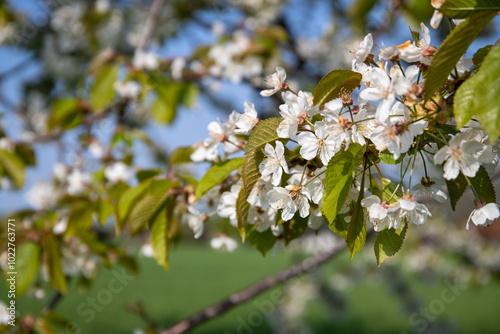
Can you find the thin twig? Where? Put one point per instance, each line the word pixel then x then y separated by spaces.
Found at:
pixel 254 290
pixel 149 26
pixel 52 303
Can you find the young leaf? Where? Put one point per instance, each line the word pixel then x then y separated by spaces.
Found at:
pixel 102 92
pixel 146 211
pixel 261 241
pixel 483 187
pixel 28 258
pixel 456 189
pixel 65 114
pixel 130 198
pixel 217 174
pixel 250 173
pixel 461 9
pixel 263 133
pixel 480 54
pixel 160 238
pixel 389 242
pixel 339 226
pixel 52 258
pixel 164 107
pixel 242 209
pixel 356 232
pixel 481 95
pixel 330 86
pixel 388 157
pixel 181 155
pixel 452 49
pixel 13 167
pixel 338 179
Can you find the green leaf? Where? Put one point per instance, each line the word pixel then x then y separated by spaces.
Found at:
pixel 27 260
pixel 130 198
pixel 452 49
pixel 217 174
pixel 104 210
pixel 330 86
pixel 26 154
pixel 261 241
pixel 391 189
pixel 356 232
pixel 80 217
pixel 263 133
pixel 242 209
pixel 52 258
pixel 164 107
pixel 389 242
pixel 65 114
pixel 159 238
pixel 13 167
pixel 461 9
pixel 456 189
pixel 388 158
pixel 339 225
pixel 483 187
pixel 250 173
pixel 481 95
pixel 338 179
pixel 294 228
pixel 102 92
pixel 146 174
pixel 181 155
pixel 480 54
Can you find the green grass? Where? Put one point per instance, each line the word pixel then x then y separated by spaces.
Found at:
pixel 200 277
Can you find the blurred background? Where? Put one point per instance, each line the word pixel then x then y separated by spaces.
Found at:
pixel 202 60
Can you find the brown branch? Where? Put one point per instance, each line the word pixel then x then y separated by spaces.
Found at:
pixel 254 290
pixel 149 26
pixel 52 303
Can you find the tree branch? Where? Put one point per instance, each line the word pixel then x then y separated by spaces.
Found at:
pixel 254 290
pixel 149 26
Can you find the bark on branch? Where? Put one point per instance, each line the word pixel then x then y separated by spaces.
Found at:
pixel 149 26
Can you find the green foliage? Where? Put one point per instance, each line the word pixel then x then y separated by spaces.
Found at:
pixel 456 189
pixel 388 158
pixel 356 232
pixel 242 209
pixel 339 225
pixel 261 241
pixel 481 183
pixel 478 57
pixel 160 235
pixel 65 114
pixel 12 167
pixel 129 198
pixel 452 49
pixel 331 85
pixel 389 242
pixel 263 133
pixel 169 97
pixel 52 260
pixel 27 260
pixel 461 9
pixel 104 209
pixel 338 179
pixel 181 155
pixel 217 174
pixel 481 95
pixel 294 228
pixel 102 92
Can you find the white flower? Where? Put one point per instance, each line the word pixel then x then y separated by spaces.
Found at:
pixel 262 219
pixel 377 212
pixel 177 66
pixel 319 142
pixel 277 230
pixel 389 52
pixel 422 52
pixel 195 221
pixel 386 88
pixel 41 196
pixel 118 171
pixel 315 219
pixel 436 18
pixel 224 242
pixel 7 145
pixel 4 314
pixel 365 48
pixel 147 250
pixel 294 112
pixel 96 149
pixel 60 171
pixel 459 157
pixel 275 80
pixel 245 122
pixel 227 205
pixel 61 226
pixel 413 212
pixel 203 152
pixel 290 199
pixel 127 89
pixel 275 162
pixel 484 215
pixel 145 61
pixel 427 189
pixel 257 197
pixel 77 182
pixel 222 134
pixel 315 187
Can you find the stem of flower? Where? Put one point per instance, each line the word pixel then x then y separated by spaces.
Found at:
pixel 425 164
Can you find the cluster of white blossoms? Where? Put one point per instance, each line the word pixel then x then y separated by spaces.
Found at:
pixel 390 116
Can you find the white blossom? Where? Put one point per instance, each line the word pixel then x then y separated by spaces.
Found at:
pixel 195 220
pixel 275 80
pixel 78 181
pixel 275 162
pixel 378 212
pixel 227 205
pixel 365 48
pixel 315 219
pixel 145 60
pixel 224 242
pixel 427 189
pixel 319 142
pixel 485 215
pixel 246 121
pixel 294 112
pixel 420 52
pixel 41 196
pixel 459 157
pixel 127 89
pixel 118 171
pixel 290 199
